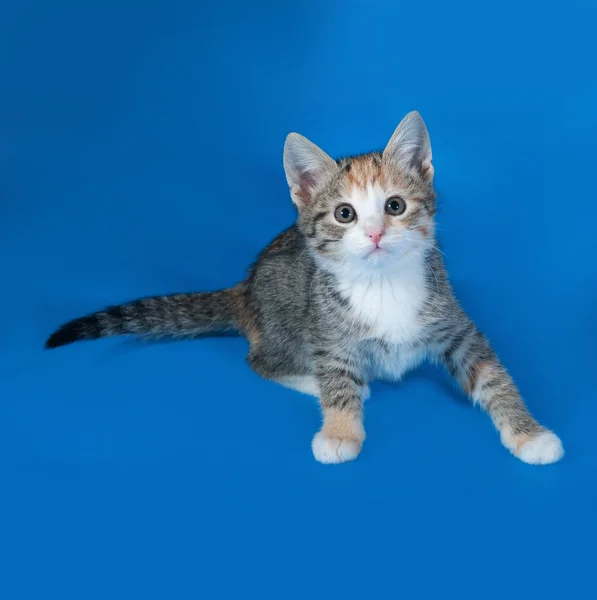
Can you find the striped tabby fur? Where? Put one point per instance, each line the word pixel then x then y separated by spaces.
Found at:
pixel 356 290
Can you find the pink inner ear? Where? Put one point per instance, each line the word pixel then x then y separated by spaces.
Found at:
pixel 307 184
pixel 427 170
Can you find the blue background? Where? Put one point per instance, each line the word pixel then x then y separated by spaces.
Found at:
pixel 140 153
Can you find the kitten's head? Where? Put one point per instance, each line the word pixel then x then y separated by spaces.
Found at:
pixel 369 210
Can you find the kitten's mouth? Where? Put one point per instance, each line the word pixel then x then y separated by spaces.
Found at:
pixel 376 255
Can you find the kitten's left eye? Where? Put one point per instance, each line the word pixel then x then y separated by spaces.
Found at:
pixel 395 206
pixel 345 213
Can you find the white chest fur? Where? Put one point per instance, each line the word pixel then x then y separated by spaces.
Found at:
pixel 388 303
pixel 390 306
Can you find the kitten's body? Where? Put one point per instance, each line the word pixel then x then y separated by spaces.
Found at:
pixel 344 298
pixel 382 317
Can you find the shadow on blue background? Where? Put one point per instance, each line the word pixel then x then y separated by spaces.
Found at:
pixel 140 153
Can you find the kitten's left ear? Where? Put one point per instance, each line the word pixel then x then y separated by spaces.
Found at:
pixel 307 167
pixel 410 148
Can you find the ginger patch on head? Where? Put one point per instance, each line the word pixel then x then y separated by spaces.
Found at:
pixel 363 170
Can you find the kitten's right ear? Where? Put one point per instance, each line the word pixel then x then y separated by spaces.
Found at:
pixel 307 166
pixel 410 148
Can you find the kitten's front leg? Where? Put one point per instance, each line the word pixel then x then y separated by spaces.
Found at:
pixel 342 390
pixel 468 356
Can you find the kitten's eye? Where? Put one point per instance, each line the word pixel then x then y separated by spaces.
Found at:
pixel 395 206
pixel 345 213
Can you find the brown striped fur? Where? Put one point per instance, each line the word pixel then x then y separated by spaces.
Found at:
pixel 334 303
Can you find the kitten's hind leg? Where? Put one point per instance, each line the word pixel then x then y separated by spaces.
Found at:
pixel 305 384
pixel 271 369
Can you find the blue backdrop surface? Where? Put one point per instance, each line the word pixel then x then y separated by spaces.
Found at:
pixel 140 153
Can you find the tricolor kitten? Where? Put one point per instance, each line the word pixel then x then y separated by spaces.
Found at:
pixel 355 291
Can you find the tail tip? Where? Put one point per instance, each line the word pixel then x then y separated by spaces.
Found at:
pixel 61 337
pixel 67 334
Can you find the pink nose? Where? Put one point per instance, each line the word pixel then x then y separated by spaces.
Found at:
pixel 375 236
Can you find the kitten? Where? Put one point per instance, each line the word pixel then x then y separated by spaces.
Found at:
pixel 356 290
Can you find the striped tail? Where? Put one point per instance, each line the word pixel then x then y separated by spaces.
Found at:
pixel 176 316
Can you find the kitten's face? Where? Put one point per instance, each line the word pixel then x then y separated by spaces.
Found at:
pixel 367 211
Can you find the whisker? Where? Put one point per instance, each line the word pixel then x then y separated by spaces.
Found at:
pixel 441 251
pixel 299 257
pixel 427 265
pixel 309 295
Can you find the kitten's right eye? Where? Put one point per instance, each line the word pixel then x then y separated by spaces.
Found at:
pixel 345 213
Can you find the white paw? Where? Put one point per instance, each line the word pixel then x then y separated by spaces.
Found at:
pixel 334 450
pixel 543 449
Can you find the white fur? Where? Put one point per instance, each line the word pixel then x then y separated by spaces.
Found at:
pixel 305 384
pixel 392 365
pixel 397 241
pixel 389 303
pixel 543 449
pixel 385 292
pixel 330 450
